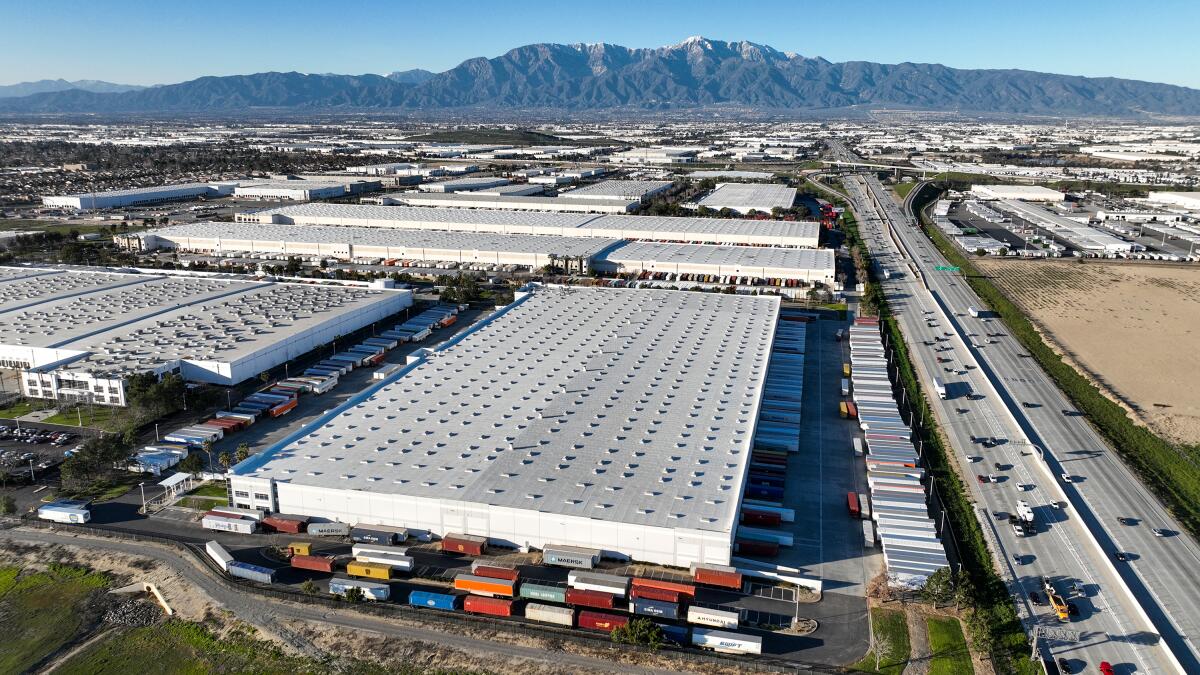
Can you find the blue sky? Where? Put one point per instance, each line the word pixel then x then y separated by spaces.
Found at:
pixel 167 41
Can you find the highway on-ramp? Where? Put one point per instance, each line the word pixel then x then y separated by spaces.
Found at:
pixel 987 382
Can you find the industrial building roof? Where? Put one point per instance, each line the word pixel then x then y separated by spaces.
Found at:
pixel 1025 192
pixel 478 199
pixel 231 233
pixel 619 189
pixel 739 256
pixel 132 322
pixel 711 230
pixel 743 197
pixel 630 406
pixel 146 190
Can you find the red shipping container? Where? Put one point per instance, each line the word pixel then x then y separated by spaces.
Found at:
pixel 278 524
pixel 218 514
pixel 601 621
pixel 768 459
pixel 763 548
pixel 655 594
pixel 673 586
pixel 478 604
pixel 316 563
pixel 584 598
pixel 453 544
pixel 852 503
pixel 851 410
pixel 495 572
pixel 720 578
pixel 768 518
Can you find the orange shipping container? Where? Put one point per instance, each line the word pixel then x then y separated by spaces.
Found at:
pixel 675 587
pixel 484 585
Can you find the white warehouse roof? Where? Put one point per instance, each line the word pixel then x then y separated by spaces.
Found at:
pixel 803 234
pixel 1029 193
pixel 744 197
pixel 762 262
pixel 620 406
pixel 618 189
pixel 478 200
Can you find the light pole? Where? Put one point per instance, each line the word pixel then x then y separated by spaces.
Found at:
pixel 31 476
pixel 228 399
pixel 156 432
pixel 143 488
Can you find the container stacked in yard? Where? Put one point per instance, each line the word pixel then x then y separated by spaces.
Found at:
pixel 595 581
pixel 762 549
pixel 369 570
pixel 783 391
pixel 464 543
pixel 723 641
pixel 487 586
pixel 531 591
pixel 582 598
pixel 570 556
pixel 897 502
pixel 483 568
pixel 219 555
pixel 386 371
pixel 656 608
pixel 476 604
pixel 717 575
pixel 393 557
pixel 316 563
pixel 680 635
pixel 378 534
pixel 712 617
pixel 562 616
pixel 299 548
pixel 672 586
pixel 371 590
pixel 278 522
pixel 434 600
pixel 329 529
pixel 656 594
pixel 755 517
pixel 223 522
pixel 600 621
pixel 263 575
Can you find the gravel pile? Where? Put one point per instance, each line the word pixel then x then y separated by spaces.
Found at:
pixel 133 613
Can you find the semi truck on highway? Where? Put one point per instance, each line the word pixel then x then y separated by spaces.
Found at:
pixel 1023 520
pixel 940 387
pixel 973 311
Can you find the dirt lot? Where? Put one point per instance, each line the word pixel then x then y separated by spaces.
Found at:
pixel 1132 328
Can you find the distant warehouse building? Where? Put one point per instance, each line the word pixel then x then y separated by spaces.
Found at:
pixel 292 190
pixel 1188 200
pixel 746 197
pixel 1027 193
pixel 614 419
pixel 733 231
pixel 620 190
pixel 808 265
pixel 465 184
pixel 77 336
pixel 139 196
pixel 475 200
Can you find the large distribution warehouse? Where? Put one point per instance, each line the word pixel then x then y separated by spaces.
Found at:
pixel 78 335
pixel 615 419
pixel 655 228
pixel 475 200
pixel 809 265
pixel 140 196
pixel 746 197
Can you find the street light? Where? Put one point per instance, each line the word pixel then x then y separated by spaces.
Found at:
pixel 143 488
pixel 31 476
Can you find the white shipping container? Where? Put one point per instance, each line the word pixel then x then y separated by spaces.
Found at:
pixel 730 643
pixel 712 617
pixel 219 555
pixel 239 525
pixel 563 616
pixel 254 514
pixel 604 583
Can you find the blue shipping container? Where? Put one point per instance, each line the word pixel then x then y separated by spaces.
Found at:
pixel 435 600
pixel 680 635
pixel 666 610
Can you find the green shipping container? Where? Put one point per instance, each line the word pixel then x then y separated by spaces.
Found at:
pixel 542 592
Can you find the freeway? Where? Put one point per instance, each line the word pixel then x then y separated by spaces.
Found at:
pixel 987 382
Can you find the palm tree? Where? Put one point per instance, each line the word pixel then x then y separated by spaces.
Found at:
pixel 225 459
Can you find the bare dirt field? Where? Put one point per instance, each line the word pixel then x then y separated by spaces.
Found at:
pixel 1132 328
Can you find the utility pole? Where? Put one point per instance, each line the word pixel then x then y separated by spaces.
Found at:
pixel 143 488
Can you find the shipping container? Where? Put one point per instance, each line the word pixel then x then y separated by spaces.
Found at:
pixel 722 641
pixel 712 617
pixel 487 605
pixel 562 616
pixel 754 517
pixel 582 598
pixel 544 592
pixel 717 575
pixel 600 621
pixel 852 504
pixel 484 585
pixel 316 563
pixel 594 581
pixel 253 514
pixel 673 586
pixel 843 412
pixel 393 559
pixel 369 570
pixel 283 408
pixel 570 556
pixel 679 635
pixel 378 534
pixel 224 523
pixel 329 529
pixel 300 548
pixel 435 600
pixel 386 371
pixel 494 572
pixel 281 523
pixel 756 548
pixel 656 608
pixel 656 594
pixel 263 575
pixel 464 543
pixel 219 555
pixel 371 590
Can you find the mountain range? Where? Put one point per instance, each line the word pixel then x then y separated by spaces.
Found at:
pixel 43 86
pixel 697 73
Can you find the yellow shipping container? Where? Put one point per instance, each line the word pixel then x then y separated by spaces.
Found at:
pixel 845 370
pixel 842 410
pixel 300 548
pixel 370 570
